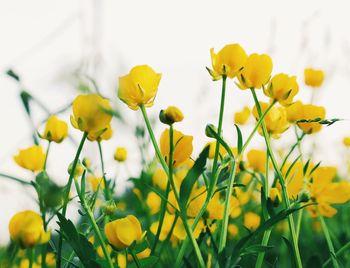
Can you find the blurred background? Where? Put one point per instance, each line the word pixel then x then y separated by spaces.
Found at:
pixel 57 46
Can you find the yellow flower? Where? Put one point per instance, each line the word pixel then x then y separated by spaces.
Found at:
pixel 228 61
pixel 27 229
pixel 182 145
pixel 89 114
pixel 222 150
pixel 215 208
pixel 96 183
pixel 153 202
pixel 121 154
pixel 171 115
pixel 235 206
pixel 275 195
pixel 159 178
pixel 256 72
pixel 282 88
pixel 326 192
pixel 55 130
pixel 166 227
pixel 139 87
pixel 197 199
pixel 276 119
pixel 232 230
pixel 251 220
pixel 141 255
pixel 257 160
pixel 299 111
pixel 106 134
pixel 242 117
pixel 32 158
pixel 313 78
pixel 123 232
pixel 100 251
pixel 180 232
pixel 346 141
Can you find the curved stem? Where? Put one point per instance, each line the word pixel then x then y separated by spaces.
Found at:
pixel 221 115
pixel 136 259
pixel 13 178
pixel 281 181
pixel 66 197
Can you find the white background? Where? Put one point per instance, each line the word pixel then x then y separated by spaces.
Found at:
pixel 46 41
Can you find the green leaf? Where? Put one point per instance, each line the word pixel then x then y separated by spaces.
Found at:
pixel 145 262
pixel 26 97
pixel 314 168
pixel 79 243
pixel 306 166
pixel 192 176
pixel 254 249
pixel 239 139
pixel 13 75
pixel 291 250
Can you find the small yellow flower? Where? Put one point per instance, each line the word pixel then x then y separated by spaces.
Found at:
pixel 27 229
pixel 171 115
pixel 282 88
pixel 232 230
pixel 106 134
pixel 257 160
pixel 32 158
pixel 182 145
pixel 89 114
pixel 141 255
pixel 228 61
pixel 235 207
pixel 55 130
pixel 160 179
pixel 79 169
pixel 123 232
pixel 215 208
pixel 180 232
pixel 197 199
pixel 153 201
pixel 256 72
pixel 346 141
pixel 121 154
pixel 275 120
pixel 251 220
pixel 313 78
pixel 96 183
pixel 242 117
pixel 139 87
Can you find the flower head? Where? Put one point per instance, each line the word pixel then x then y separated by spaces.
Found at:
pixel 139 87
pixel 32 158
pixel 313 78
pixel 120 154
pixel 251 220
pixel 228 61
pixel 55 130
pixel 171 115
pixel 27 229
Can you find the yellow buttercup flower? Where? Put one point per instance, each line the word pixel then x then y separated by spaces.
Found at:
pixel 182 145
pixel 121 154
pixel 256 72
pixel 228 61
pixel 89 114
pixel 106 134
pixel 235 206
pixel 346 141
pixel 251 220
pixel 123 232
pixel 313 77
pixel 257 160
pixel 232 230
pixel 180 232
pixel 27 229
pixel 275 120
pixel 242 117
pixel 55 130
pixel 282 88
pixel 215 208
pixel 32 158
pixel 139 87
pixel 171 115
pixel 197 199
pixel 153 201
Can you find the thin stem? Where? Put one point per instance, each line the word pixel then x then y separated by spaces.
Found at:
pixel 106 188
pixel 329 241
pixel 281 181
pixel 337 254
pixel 221 115
pixel 136 259
pixel 66 198
pixel 15 179
pixel 47 153
pixel 31 257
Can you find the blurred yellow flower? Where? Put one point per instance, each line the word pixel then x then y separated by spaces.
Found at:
pixel 180 232
pixel 242 117
pixel 123 232
pixel 275 120
pixel 215 208
pixel 153 202
pixel 313 77
pixel 27 229
pixel 346 141
pixel 235 207
pixel 89 114
pixel 256 72
pixel 160 179
pixel 171 115
pixel 120 154
pixel 257 160
pixel 55 130
pixel 182 145
pixel 166 227
pixel 232 230
pixel 196 201
pixel 282 88
pixel 32 158
pixel 96 183
pixel 275 195
pixel 139 87
pixel 251 220
pixel 222 150
pixel 228 61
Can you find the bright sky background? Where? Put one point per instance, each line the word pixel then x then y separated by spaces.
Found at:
pixel 45 41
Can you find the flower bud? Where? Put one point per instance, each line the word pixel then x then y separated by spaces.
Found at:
pixel 171 115
pixel 275 196
pixel 79 169
pixel 210 130
pixel 304 196
pixel 109 207
pixel 86 162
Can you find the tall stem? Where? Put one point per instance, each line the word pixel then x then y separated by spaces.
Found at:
pixel 221 115
pixel 47 153
pixel 107 192
pixel 281 181
pixel 66 197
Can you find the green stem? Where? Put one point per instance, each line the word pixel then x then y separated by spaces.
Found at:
pixel 31 257
pixel 221 115
pixel 337 254
pixel 136 259
pixel 66 198
pixel 46 155
pixel 329 241
pixel 281 181
pixel 15 179
pixel 106 188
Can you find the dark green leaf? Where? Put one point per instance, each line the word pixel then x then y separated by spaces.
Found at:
pixel 254 249
pixel 291 250
pixel 239 139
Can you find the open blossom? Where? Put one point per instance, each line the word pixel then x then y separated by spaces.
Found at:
pixel 228 61
pixel 139 87
pixel 32 158
pixel 256 72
